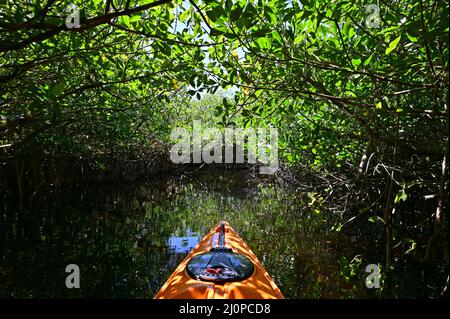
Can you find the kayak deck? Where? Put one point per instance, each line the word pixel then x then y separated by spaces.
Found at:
pixel 259 285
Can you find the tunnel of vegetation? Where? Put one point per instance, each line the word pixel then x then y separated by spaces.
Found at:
pixel 359 95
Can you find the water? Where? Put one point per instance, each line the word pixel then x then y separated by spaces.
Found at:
pixel 127 239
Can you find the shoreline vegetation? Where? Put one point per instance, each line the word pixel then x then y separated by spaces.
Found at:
pixel 358 94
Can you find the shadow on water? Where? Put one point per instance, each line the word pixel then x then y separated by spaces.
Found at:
pixel 127 239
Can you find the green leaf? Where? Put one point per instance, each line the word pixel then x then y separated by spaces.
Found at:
pixel 402 196
pixel 375 218
pixel 393 45
pixel 216 13
pixel 225 103
pixel 58 88
pixel 260 33
pixel 228 5
pixel 236 13
pixel 263 43
pixel 356 62
pixel 214 32
pixel 339 227
pixel 367 62
pixel 351 33
pixel 135 17
pixel 125 20
pixel 411 38
pixel 276 36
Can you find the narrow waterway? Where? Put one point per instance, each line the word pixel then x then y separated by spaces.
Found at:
pixel 127 239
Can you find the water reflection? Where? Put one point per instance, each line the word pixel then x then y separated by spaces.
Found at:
pixel 127 239
pixel 184 244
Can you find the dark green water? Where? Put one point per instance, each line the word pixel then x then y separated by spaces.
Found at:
pixel 127 239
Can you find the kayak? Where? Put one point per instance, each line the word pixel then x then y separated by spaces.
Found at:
pixel 221 266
